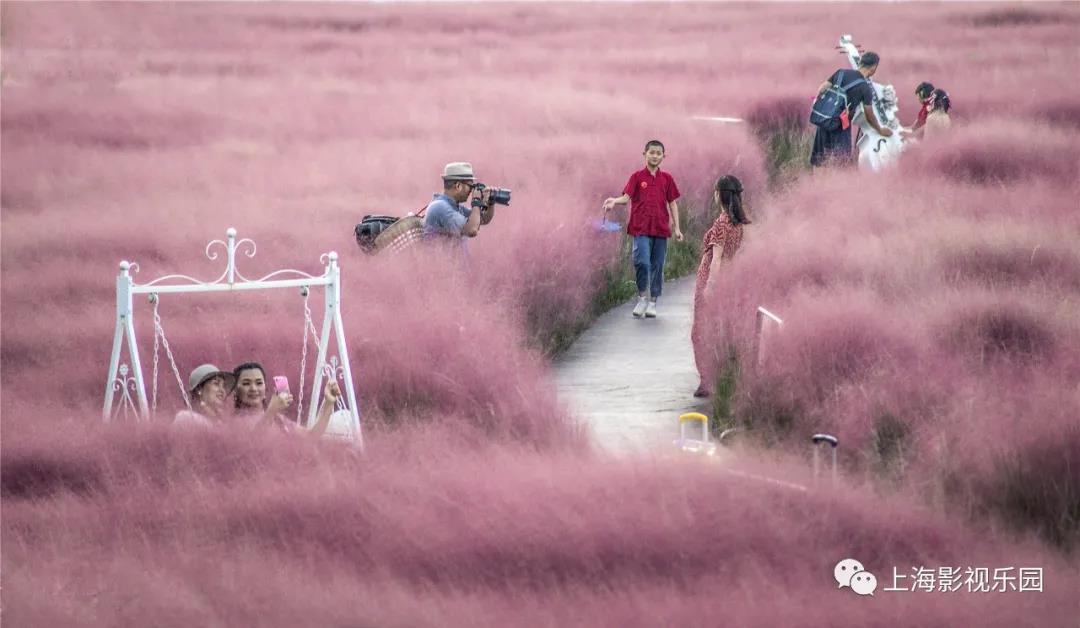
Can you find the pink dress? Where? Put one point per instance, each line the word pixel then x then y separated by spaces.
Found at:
pixel 727 237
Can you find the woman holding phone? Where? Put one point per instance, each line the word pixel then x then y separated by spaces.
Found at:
pixel 253 405
pixel 252 402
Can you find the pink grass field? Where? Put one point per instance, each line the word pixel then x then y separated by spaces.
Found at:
pixel 948 299
pixel 933 327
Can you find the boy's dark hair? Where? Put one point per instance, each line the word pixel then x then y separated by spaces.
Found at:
pixel 247 366
pixel 654 143
pixel 924 90
pixel 941 100
pixel 730 189
pixel 869 60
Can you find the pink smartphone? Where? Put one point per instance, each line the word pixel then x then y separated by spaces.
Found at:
pixel 281 384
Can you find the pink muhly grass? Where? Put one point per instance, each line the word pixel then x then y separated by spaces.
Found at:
pixel 426 519
pixel 777 116
pixel 997 151
pixel 901 306
pixel 1065 113
pixel 140 132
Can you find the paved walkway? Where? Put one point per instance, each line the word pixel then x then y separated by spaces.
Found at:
pixel 629 379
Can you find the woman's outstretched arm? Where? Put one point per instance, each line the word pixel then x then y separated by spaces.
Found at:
pixel 331 393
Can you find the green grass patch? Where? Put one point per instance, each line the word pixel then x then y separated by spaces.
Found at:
pixel 787 156
pixel 723 398
pixel 1038 489
pixel 888 445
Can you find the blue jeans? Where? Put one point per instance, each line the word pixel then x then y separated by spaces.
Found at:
pixel 649 254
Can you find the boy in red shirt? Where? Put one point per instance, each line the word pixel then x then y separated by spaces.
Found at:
pixel 654 217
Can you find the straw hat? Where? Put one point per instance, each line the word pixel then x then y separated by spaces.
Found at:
pixel 208 371
pixel 458 171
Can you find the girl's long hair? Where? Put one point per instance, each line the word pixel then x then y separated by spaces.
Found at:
pixel 730 189
pixel 941 100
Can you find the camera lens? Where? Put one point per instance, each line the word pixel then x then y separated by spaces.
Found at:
pixel 500 196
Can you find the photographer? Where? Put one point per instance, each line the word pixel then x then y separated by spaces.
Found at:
pixel 448 217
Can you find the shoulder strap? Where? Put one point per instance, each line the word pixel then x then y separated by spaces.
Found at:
pixel 853 83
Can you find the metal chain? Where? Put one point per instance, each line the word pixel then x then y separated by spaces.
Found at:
pixel 309 326
pixel 159 330
pixel 153 397
pixel 327 371
pixel 303 358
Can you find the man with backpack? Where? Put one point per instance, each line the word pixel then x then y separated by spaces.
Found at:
pixel 837 104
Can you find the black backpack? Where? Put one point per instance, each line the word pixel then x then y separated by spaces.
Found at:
pixel 831 107
pixel 370 228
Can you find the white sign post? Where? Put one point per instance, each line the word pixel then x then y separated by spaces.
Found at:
pixel 762 319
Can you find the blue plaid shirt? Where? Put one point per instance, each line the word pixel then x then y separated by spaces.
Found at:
pixel 445 217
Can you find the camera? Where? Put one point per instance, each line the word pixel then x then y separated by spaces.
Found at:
pixel 496 196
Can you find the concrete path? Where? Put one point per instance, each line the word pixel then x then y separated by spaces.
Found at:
pixel 629 379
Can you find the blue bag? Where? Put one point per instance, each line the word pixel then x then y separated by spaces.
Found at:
pixel 830 110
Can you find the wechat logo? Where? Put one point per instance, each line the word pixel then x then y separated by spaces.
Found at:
pixel 851 573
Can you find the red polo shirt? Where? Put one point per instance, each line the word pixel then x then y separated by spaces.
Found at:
pixel 649 197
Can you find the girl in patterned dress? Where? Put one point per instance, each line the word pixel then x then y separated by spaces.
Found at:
pixel 721 242
pixel 938 120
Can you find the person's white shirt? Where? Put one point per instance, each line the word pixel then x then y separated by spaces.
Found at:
pixel 190 418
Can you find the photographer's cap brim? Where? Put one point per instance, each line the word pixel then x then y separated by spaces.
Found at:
pixel 206 372
pixel 458 171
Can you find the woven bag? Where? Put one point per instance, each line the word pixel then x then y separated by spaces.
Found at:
pixel 400 235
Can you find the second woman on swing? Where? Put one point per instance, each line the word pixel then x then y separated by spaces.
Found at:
pixel 208 387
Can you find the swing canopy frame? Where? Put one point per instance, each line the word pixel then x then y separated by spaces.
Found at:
pixel 125 387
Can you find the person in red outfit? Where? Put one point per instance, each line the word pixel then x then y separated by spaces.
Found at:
pixel 720 243
pixel 925 93
pixel 654 217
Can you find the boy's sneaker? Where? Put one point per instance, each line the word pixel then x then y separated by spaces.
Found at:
pixel 639 309
pixel 650 310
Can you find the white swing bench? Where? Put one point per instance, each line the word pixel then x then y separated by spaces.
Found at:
pixel 124 381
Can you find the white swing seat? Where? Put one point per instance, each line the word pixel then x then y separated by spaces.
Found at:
pixel 340 427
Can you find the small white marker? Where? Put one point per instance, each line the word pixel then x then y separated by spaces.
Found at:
pixel 717 119
pixel 774 317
